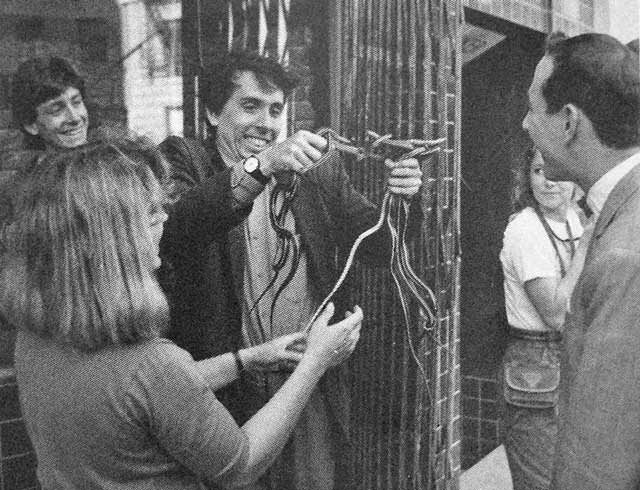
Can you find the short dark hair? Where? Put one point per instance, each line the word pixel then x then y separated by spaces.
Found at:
pixel 218 80
pixel 601 76
pixel 79 268
pixel 38 80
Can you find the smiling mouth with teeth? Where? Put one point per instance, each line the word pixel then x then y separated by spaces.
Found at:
pixel 257 142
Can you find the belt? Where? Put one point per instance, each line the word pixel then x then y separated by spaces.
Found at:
pixel 543 335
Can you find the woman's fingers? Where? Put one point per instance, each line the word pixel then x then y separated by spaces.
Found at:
pixel 347 341
pixel 353 319
pixel 324 317
pixel 295 341
pixel 332 344
pixel 292 356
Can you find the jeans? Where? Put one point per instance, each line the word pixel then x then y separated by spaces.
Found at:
pixel 530 434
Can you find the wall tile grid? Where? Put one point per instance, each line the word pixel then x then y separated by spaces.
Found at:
pixel 570 16
pixel 17 459
pixel 299 42
pixel 480 418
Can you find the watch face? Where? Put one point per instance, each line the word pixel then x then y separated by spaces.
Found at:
pixel 251 164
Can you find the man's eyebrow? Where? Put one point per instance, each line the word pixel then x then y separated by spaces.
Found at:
pixel 52 104
pixel 252 100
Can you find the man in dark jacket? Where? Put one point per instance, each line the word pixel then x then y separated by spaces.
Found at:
pixel 224 293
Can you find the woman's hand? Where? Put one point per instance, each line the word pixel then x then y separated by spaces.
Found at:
pixel 329 345
pixel 287 350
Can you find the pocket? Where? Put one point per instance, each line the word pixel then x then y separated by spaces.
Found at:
pixel 529 384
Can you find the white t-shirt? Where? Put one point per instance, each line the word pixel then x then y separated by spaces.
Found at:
pixel 527 253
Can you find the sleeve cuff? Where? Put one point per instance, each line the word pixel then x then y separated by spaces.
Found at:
pixel 244 188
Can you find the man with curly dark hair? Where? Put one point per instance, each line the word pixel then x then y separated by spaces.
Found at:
pixel 226 295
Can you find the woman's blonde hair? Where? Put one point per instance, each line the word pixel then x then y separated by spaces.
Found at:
pixel 79 267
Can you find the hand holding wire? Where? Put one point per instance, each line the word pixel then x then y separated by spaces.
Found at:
pixel 405 177
pixel 404 185
pixel 330 345
pixel 298 153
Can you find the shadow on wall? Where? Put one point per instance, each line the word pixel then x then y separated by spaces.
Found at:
pixel 494 102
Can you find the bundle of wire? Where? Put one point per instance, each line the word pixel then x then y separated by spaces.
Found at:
pixel 395 211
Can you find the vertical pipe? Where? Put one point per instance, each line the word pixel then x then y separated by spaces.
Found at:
pixel 455 216
pixel 190 61
pixel 395 334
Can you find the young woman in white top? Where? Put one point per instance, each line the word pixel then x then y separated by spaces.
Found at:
pixel 541 259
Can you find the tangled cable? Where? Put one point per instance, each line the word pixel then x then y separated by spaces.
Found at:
pixel 288 244
pixel 394 211
pixel 406 280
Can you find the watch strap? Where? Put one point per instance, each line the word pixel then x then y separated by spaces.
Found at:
pixel 257 173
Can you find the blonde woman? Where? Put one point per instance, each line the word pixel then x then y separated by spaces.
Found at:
pixel 107 401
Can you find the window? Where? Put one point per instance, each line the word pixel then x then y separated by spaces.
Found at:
pixel 174 121
pixel 163 52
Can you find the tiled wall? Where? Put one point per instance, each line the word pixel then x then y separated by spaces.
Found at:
pixel 17 459
pixel 570 16
pixel 480 418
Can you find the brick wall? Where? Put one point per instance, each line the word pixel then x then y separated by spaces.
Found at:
pixel 304 114
pixel 569 16
pixel 17 459
pixel 480 418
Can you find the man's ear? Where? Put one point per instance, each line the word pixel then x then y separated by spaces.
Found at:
pixel 32 129
pixel 211 117
pixel 572 116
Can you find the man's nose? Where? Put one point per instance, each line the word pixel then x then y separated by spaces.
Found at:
pixel 73 114
pixel 525 122
pixel 266 120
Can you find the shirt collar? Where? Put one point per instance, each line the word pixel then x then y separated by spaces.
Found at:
pixel 600 191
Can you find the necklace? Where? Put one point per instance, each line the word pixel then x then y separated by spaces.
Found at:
pixel 553 237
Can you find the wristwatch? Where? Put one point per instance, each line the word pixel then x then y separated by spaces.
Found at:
pixel 251 165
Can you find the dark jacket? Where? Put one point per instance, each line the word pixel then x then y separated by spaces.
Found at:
pixel 329 215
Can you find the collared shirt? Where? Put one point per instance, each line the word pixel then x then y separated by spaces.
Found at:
pixel 294 305
pixel 600 191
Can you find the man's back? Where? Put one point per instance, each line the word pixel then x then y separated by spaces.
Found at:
pixel 601 364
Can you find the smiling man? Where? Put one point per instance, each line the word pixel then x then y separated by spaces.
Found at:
pixel 48 104
pixel 584 117
pixel 223 294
